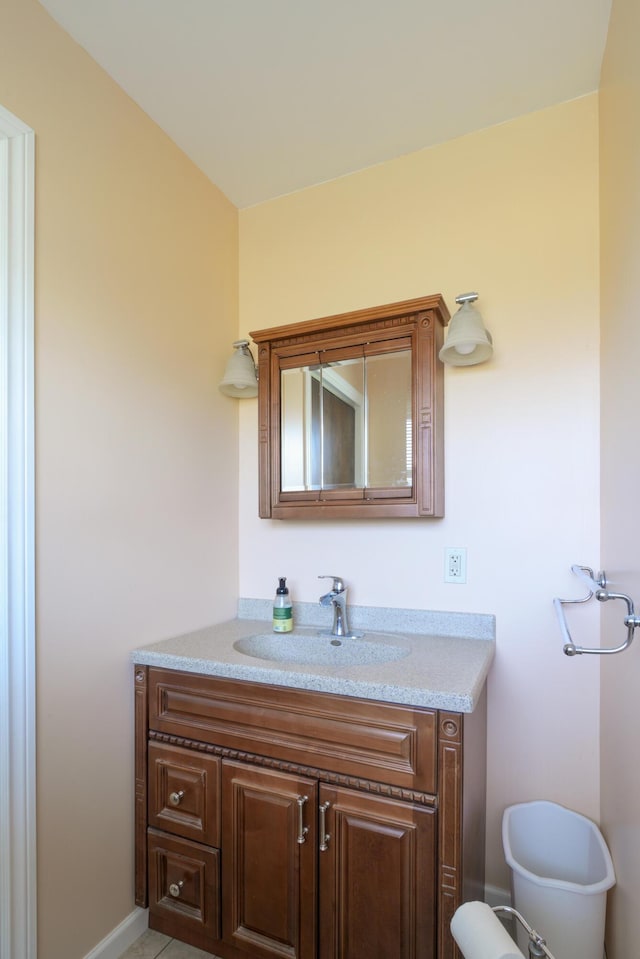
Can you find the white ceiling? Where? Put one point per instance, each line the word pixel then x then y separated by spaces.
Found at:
pixel 271 96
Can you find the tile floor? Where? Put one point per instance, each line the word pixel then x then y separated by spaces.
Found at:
pixel 153 945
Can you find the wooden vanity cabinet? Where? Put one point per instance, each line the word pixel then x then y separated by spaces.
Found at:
pixel 276 822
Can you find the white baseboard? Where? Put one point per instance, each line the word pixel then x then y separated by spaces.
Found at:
pixel 495 896
pixel 120 938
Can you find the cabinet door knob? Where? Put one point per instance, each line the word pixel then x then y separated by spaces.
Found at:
pixel 176 798
pixel 302 829
pixel 176 888
pixel 324 835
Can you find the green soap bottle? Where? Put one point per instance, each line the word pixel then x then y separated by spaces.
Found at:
pixel 282 612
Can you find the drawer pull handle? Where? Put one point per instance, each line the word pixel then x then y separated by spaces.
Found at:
pixel 302 829
pixel 324 835
pixel 176 798
pixel 176 888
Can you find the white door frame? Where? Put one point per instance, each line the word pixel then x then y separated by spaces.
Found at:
pixel 17 552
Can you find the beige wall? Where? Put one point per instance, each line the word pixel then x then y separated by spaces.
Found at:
pixel 513 213
pixel 620 347
pixel 136 306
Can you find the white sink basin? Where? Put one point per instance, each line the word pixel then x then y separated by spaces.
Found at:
pixel 316 650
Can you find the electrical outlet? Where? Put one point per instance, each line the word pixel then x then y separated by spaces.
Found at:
pixel 455 564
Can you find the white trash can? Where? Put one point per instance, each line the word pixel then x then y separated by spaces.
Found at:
pixel 561 870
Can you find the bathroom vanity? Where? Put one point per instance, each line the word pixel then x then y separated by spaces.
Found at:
pixel 297 810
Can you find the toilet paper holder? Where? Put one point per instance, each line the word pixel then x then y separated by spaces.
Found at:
pixel 537 945
pixel 479 934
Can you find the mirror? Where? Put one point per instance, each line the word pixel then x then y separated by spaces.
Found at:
pixel 322 414
pixel 347 424
pixel 339 403
pixel 389 420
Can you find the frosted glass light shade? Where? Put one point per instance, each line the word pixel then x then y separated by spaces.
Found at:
pixel 468 342
pixel 240 378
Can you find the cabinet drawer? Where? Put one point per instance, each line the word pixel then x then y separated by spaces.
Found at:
pixel 184 793
pixel 184 888
pixel 360 737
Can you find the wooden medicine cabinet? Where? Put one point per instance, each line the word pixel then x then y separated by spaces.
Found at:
pixel 351 414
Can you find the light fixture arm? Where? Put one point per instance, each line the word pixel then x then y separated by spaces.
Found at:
pixel 243 346
pixel 467 298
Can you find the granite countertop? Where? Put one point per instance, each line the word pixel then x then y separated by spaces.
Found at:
pixel 443 658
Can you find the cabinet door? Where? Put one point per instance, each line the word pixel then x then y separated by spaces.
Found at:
pixel 377 877
pixel 269 854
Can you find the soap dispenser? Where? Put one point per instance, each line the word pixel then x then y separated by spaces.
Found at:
pixel 282 612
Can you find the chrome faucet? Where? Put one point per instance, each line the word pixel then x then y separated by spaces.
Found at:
pixel 337 597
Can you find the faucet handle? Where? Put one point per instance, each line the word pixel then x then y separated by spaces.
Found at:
pixel 338 584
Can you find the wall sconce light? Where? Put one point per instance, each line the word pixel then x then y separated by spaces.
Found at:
pixel 240 376
pixel 468 342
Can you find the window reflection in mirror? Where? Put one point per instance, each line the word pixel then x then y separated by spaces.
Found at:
pixel 347 424
pixel 295 398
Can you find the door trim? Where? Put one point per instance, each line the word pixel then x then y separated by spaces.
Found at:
pixel 17 554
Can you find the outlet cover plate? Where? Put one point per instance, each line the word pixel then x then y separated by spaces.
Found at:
pixel 455 564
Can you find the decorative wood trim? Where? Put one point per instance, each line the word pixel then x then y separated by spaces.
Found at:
pixel 474 801
pixel 335 779
pixel 264 434
pixel 337 321
pixel 358 509
pixel 325 339
pixel 450 826
pixel 141 713
pixel 429 416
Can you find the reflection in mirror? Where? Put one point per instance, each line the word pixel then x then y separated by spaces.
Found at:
pixel 340 433
pixel 295 432
pixel 389 420
pixel 322 432
pixel 347 424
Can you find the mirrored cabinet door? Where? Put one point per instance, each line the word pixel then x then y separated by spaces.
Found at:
pixel 351 414
pixel 322 432
pixel 389 420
